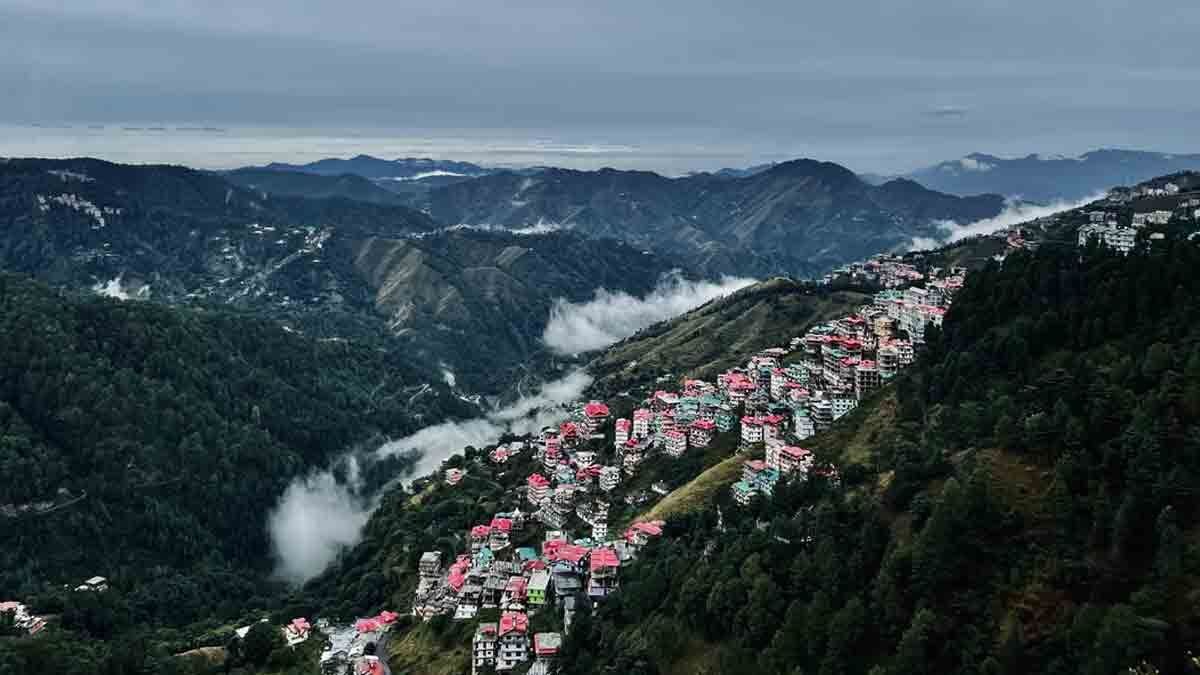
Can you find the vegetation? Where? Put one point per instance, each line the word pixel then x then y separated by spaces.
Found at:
pixel 1027 507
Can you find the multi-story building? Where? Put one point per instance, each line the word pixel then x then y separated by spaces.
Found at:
pixel 772 429
pixel 621 431
pixel 595 415
pixel 866 379
pixel 821 412
pixel 537 592
pixel 604 566
pixel 743 492
pixel 752 430
pixel 675 443
pixel 790 459
pixel 610 478
pixel 701 433
pixel 842 405
pixel 514 640
pixel 546 648
pixel 538 489
pixel 1116 237
pixel 483 647
pixel 641 422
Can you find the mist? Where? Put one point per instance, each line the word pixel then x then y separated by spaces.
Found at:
pixel 610 317
pixel 319 515
pixel 1014 213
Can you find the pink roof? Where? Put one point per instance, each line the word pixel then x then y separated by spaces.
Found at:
pixel 366 625
pixel 623 424
pixel 480 531
pixel 704 425
pixel 541 648
pixel 9 606
pixel 794 452
pixel 756 464
pixel 641 414
pixel 532 565
pixel 676 434
pixel 773 419
pixel 650 529
pixel 570 553
pixel 513 621
pixel 750 420
pixel 516 586
pixel 595 409
pixel 550 547
pixel 849 361
pixel 537 480
pixel 603 558
pixel 631 443
pixel 568 429
pixel 456 579
pixel 502 524
pixel 866 365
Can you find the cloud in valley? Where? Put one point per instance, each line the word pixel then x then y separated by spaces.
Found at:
pixel 1014 213
pixel 320 515
pixel 610 316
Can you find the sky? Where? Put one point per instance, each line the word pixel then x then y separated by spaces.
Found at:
pixel 675 85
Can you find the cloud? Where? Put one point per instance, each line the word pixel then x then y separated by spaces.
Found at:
pixel 321 514
pixel 1014 213
pixel 613 316
pixel 972 164
pixel 947 111
pixel 316 518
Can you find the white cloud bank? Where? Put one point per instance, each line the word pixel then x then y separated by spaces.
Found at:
pixel 1014 213
pixel 319 515
pixel 611 317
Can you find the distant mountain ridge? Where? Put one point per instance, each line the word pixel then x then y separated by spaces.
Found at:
pixel 379 169
pixel 801 217
pixel 1048 178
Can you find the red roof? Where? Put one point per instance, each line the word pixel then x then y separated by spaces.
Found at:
pixel 513 621
pixel 569 553
pixel 773 419
pixel 751 421
pixel 542 648
pixel 623 424
pixel 794 452
pixel 456 579
pixel 480 531
pixel 866 365
pixel 502 524
pixel 516 586
pixel 568 429
pixel 595 409
pixel 367 625
pixel 704 425
pixel 756 464
pixel 676 434
pixel 641 414
pixel 537 480
pixel 603 558
pixel 532 565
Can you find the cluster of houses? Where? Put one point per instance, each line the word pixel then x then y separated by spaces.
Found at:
pixel 22 618
pixel 1169 201
pixel 886 270
pixel 520 581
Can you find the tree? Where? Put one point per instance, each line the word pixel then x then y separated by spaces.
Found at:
pixel 262 639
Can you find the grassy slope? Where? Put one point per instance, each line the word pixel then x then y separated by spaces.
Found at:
pixel 719 335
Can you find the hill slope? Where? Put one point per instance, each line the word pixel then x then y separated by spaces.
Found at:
pixel 799 218
pixel 313 186
pixel 1020 503
pixel 146 443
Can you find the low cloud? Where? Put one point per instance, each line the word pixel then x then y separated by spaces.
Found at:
pixel 613 316
pixel 1014 213
pixel 323 513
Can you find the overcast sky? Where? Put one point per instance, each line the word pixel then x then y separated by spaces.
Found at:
pixel 876 85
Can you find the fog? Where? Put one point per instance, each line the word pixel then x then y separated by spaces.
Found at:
pixel 610 317
pixel 1015 212
pixel 320 515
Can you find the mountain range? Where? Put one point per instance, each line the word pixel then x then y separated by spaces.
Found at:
pixel 1043 178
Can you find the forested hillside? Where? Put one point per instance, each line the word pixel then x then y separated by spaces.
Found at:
pixel 146 444
pixel 1024 502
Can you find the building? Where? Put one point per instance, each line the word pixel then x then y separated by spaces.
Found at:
pixel 500 530
pixel 743 492
pixel 610 478
pixel 622 430
pixel 842 404
pixel 641 422
pixel 538 489
pixel 483 647
pixel 1118 238
pixel 537 592
pixel 604 565
pixel 789 459
pixel 675 443
pixel 866 379
pixel 546 647
pixel 752 431
pixel 772 429
pixel 514 640
pixel 22 619
pixel 430 566
pixel 595 415
pixel 701 432
pixel 95 584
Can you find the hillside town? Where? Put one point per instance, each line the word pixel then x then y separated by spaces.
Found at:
pixel 555 551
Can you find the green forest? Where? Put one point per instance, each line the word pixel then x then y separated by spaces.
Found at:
pixel 1029 505
pixel 147 444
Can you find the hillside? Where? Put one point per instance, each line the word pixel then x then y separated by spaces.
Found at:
pixel 714 337
pixel 312 185
pixel 331 268
pixel 1019 502
pixel 797 218
pixel 146 444
pixel 1047 178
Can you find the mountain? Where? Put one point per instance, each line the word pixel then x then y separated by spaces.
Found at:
pixel 801 217
pixel 332 268
pixel 1020 501
pixel 742 173
pixel 1049 178
pixel 147 443
pixel 313 185
pixel 374 168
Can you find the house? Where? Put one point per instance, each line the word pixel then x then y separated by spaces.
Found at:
pixel 604 566
pixel 595 415
pixel 701 432
pixel 514 593
pixel 22 619
pixel 430 565
pixel 499 455
pixel 546 647
pixel 752 431
pixel 501 528
pixel 621 432
pixel 454 476
pixel 537 489
pixel 641 422
pixel 479 537
pixel 675 443
pixel 610 478
pixel 639 534
pixel 538 589
pixel 743 492
pixel 789 459
pixel 297 631
pixel 772 429
pixel 514 640
pixel 566 557
pixel 483 647
pixel 95 584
